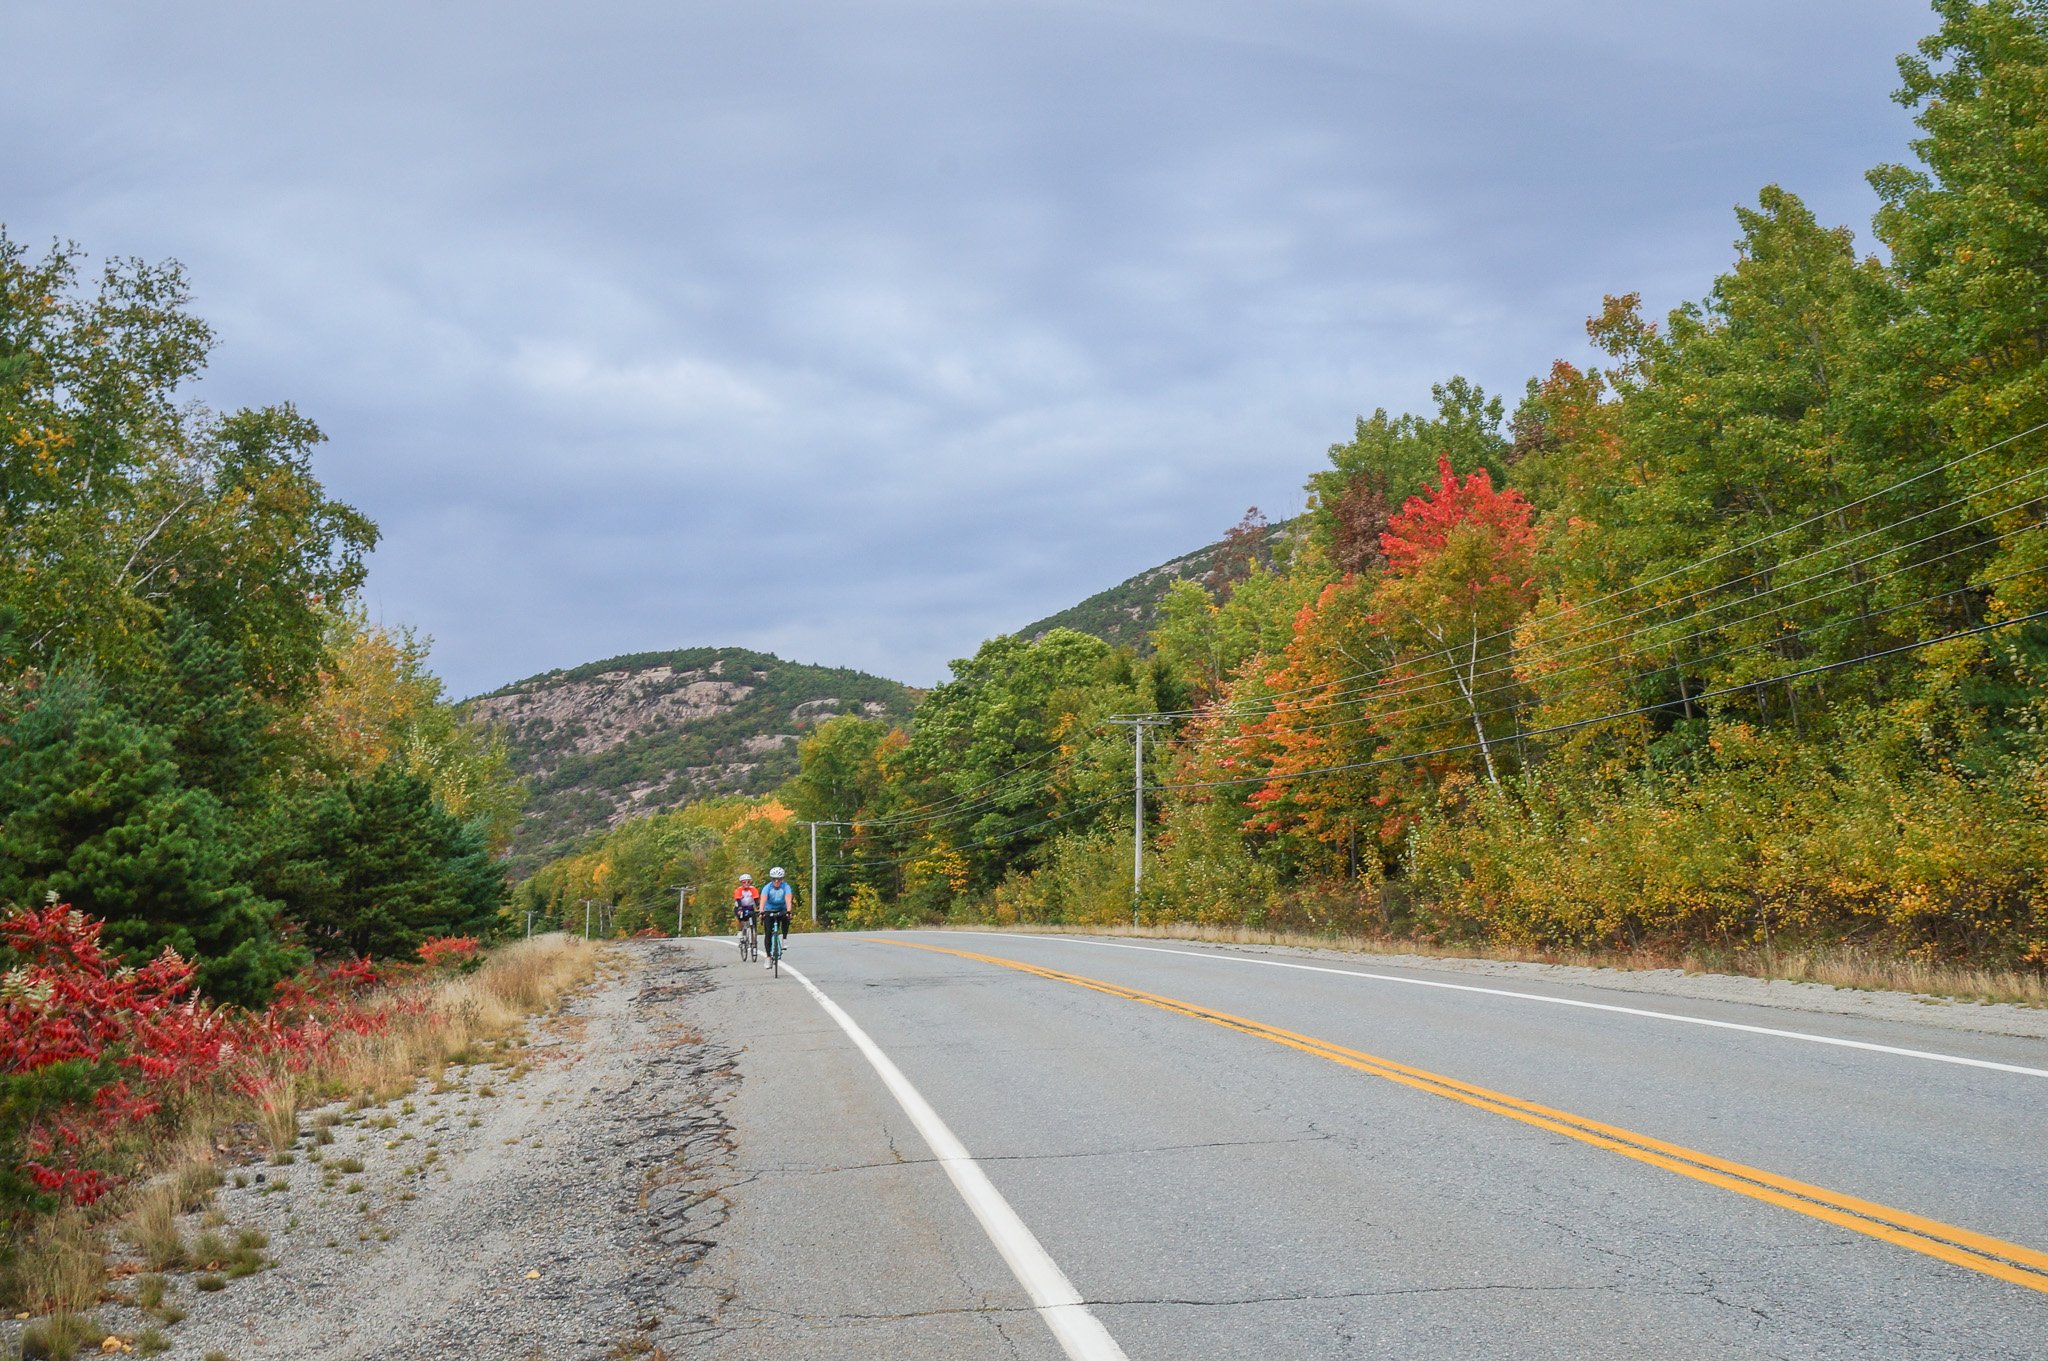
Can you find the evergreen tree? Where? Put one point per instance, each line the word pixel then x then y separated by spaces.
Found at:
pixel 373 865
pixel 93 811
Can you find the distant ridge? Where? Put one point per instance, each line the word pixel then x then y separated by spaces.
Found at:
pixel 1125 614
pixel 650 731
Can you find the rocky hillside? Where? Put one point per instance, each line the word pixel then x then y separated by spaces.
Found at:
pixel 1124 614
pixel 639 734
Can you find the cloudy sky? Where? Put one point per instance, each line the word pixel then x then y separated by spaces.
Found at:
pixel 859 332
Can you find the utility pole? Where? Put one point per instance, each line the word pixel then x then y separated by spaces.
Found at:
pixel 682 892
pixel 812 887
pixel 1137 727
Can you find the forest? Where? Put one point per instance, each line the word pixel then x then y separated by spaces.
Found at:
pixel 1734 635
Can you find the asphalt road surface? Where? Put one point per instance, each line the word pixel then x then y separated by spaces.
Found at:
pixel 948 1144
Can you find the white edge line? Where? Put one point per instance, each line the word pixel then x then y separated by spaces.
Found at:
pixel 1080 1334
pixel 1539 997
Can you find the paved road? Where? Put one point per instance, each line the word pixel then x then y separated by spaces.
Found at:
pixel 1257 1161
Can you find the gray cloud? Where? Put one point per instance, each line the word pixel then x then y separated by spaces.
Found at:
pixel 861 332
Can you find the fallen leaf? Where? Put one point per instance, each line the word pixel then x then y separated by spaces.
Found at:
pixel 533 1275
pixel 110 1343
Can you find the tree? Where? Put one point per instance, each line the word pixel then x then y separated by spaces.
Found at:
pixel 374 866
pixel 1390 458
pixel 983 757
pixel 1242 548
pixel 1968 231
pixel 1461 573
pixel 92 810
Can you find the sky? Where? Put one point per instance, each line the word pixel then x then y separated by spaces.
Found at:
pixel 862 332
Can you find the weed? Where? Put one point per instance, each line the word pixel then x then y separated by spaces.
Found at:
pixel 348 1165
pixel 208 1250
pixel 210 1282
pixel 152 1228
pixel 57 1336
pixel 277 1107
pixel 57 1266
pixel 151 1342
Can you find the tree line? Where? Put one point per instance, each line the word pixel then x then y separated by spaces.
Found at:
pixel 1734 633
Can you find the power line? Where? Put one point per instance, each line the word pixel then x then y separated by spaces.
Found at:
pixel 1685 568
pixel 1576 724
pixel 1519 683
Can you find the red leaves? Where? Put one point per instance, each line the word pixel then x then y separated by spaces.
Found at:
pixel 1418 535
pixel 447 951
pixel 94 1049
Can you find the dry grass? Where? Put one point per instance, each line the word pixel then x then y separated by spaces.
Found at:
pixel 1839 966
pixel 58 1268
pixel 463 1019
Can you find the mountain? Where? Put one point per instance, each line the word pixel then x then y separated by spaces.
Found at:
pixel 654 730
pixel 1124 614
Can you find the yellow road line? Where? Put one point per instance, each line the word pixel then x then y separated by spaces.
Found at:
pixel 1961 1247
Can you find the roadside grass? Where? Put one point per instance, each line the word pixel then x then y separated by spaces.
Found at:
pixel 57 1268
pixel 57 1336
pixel 1838 966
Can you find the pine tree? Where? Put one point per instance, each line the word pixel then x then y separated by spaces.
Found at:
pixel 92 810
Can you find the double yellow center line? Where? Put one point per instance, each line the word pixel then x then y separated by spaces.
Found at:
pixel 1962 1247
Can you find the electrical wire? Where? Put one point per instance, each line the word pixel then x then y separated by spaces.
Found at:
pixel 1683 569
pixel 1576 724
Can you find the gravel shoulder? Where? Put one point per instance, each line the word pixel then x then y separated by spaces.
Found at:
pixel 546 1213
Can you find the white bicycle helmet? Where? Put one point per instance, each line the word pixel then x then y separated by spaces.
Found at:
pixel 746 878
pixel 775 873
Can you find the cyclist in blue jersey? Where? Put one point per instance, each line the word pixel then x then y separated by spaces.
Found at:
pixel 778 896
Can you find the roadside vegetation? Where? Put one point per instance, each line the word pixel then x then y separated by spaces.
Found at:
pixel 125 1099
pixel 1728 650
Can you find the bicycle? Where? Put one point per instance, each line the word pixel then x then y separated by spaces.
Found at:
pixel 775 934
pixel 750 947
